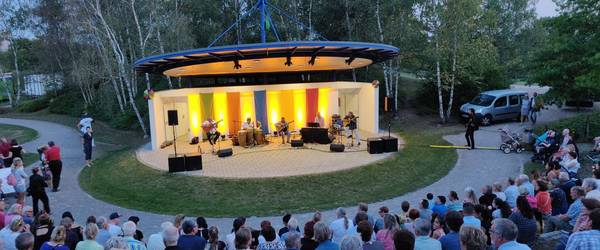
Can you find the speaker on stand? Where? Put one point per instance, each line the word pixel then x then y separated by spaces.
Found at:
pixel 176 163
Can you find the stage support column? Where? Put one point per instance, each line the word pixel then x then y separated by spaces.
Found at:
pixel 368 109
pixel 233 112
pixel 153 115
pixel 260 107
pixel 334 103
pixel 312 105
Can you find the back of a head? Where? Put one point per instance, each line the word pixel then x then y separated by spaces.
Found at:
pixel 309 230
pixel 365 230
pixel 472 238
pixel 363 207
pixel 322 232
pixel 213 234
pixel 286 218
pixel 188 226
pixel 424 204
pixel 422 227
pixel 404 240
pixel 242 238
pixel 595 218
pixel 292 224
pixel 116 243
pixel 292 240
pixel 468 208
pixel 238 223
pixel 269 233
pixel 351 243
pixel 59 234
pixel 454 220
pixel 91 230
pixel 389 222
pixel 129 228
pixel 201 221
pixel 429 196
pixel 361 216
pixel 24 241
pixel 413 214
pixel 405 206
pixel 66 222
pixel 505 228
pixel 589 184
pixel 170 235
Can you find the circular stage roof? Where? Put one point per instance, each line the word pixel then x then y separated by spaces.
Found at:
pixel 275 57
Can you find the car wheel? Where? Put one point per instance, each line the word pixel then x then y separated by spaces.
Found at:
pixel 486 120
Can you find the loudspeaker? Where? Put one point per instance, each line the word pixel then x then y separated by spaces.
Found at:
pixel 333 147
pixel 193 161
pixel 390 144
pixel 194 141
pixel 225 152
pixel 172 115
pixel 375 145
pixel 176 163
pixel 297 143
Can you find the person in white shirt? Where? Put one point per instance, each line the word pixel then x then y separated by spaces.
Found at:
pixel 230 238
pixel 156 241
pixel 341 226
pixel 248 124
pixel 498 191
pixel 84 123
pixel 113 225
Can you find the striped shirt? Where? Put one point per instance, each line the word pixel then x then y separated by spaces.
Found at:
pixel 134 244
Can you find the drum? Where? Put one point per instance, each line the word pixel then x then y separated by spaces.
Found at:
pixel 259 136
pixel 250 136
pixel 242 138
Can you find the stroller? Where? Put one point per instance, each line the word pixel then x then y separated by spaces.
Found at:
pixel 510 141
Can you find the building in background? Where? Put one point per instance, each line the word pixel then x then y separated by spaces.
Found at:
pixel 40 84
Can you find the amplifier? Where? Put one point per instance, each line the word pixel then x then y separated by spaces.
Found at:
pixel 193 161
pixel 225 152
pixel 176 163
pixel 375 145
pixel 297 143
pixel 333 147
pixel 390 144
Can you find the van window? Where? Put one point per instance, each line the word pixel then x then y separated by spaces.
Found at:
pixel 513 100
pixel 482 100
pixel 500 102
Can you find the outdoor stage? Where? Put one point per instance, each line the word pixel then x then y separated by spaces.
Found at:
pixel 268 160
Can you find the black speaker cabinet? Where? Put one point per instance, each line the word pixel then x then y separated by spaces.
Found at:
pixel 375 145
pixel 333 147
pixel 193 161
pixel 176 163
pixel 390 144
pixel 172 115
pixel 297 143
pixel 225 152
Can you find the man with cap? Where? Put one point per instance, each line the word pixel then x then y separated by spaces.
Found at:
pixel 113 225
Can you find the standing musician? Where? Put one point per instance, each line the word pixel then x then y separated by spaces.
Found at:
pixel 320 120
pixel 210 127
pixel 352 128
pixel 336 126
pixel 283 130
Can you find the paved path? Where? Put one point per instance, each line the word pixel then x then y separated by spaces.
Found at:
pixel 474 168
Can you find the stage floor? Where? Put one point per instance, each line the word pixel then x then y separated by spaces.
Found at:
pixel 264 161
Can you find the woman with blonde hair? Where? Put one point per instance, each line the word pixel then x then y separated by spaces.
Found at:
pixel 91 230
pixel 14 210
pixel 386 235
pixel 9 233
pixel 341 226
pixel 21 177
pixel 57 240
pixel 472 238
pixel 471 197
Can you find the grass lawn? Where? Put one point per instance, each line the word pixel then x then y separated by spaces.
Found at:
pixel 136 186
pixel 30 158
pixel 22 134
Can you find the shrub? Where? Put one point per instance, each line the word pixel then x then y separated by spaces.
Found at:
pixel 34 105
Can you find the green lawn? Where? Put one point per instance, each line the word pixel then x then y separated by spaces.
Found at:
pixel 22 134
pixel 30 158
pixel 136 186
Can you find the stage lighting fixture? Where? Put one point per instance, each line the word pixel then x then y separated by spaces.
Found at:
pixel 236 64
pixel 312 60
pixel 288 61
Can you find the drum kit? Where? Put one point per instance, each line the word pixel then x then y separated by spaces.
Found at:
pixel 249 137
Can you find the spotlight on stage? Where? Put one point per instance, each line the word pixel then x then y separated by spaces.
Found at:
pixel 312 60
pixel 288 61
pixel 236 64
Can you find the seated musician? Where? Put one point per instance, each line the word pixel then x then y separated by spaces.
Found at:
pixel 320 120
pixel 336 126
pixel 213 134
pixel 283 130
pixel 248 124
pixel 352 128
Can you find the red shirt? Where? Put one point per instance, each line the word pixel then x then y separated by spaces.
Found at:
pixel 544 203
pixel 53 153
pixel 4 149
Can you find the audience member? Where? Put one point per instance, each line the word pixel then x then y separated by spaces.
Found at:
pixel 170 236
pixel 292 228
pixel 497 190
pixel 2 214
pixel 103 233
pixel 341 226
pixel 587 239
pixel 307 242
pixel 57 240
pixel 468 216
pixel 430 200
pixel 413 215
pixel 511 192
pixel 113 225
pixel 424 211
pixel 437 230
pixel 558 198
pixel 189 240
pixel 583 221
pixel 504 234
pixel 202 227
pixel 156 241
pixel 363 207
pixel 422 240
pixel 454 221
pixel 386 235
pixel 230 238
pixel 382 212
pixel 366 231
pixel 138 233
pixel 90 243
pixel 591 188
pixel 9 233
pixel 566 184
pixel 271 242
pixel 129 229
pixel 454 202
pixel 24 241
pixel 351 243
pixel 42 229
pixel 323 236
pixel 116 243
pixel 524 219
pixel 292 241
pixel 502 209
pixel 440 205
pixel 523 181
pixel 472 238
pixel 567 221
pixel 470 196
pixel 286 218
pixel 404 240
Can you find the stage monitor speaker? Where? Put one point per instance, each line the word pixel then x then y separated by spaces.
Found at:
pixel 333 147
pixel 390 144
pixel 172 116
pixel 194 140
pixel 193 161
pixel 297 143
pixel 176 163
pixel 225 152
pixel 375 145
pixel 313 125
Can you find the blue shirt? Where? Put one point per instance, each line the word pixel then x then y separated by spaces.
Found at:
pixel 559 201
pixel 471 221
pixel 455 206
pixel 134 244
pixel 328 245
pixel 450 241
pixel 584 240
pixel 529 187
pixel 574 211
pixel 191 242
pixel 103 236
pixel 425 214
pixel 511 192
pixel 440 209
pixel 513 245
pixel 426 243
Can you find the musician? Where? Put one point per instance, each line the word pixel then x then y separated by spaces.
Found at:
pixel 213 134
pixel 320 120
pixel 336 126
pixel 248 124
pixel 283 130
pixel 352 128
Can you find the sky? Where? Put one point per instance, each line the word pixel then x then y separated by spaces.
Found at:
pixel 545 8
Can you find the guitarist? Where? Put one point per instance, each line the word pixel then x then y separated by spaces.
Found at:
pixel 212 133
pixel 283 130
pixel 352 128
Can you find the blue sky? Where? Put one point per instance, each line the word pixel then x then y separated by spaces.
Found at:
pixel 545 8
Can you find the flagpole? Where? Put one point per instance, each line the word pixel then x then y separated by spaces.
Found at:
pixel 263 33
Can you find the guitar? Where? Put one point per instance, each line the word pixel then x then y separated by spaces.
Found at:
pixel 348 120
pixel 281 127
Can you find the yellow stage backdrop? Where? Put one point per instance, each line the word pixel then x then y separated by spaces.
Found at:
pixel 247 106
pixel 286 102
pixel 194 113
pixel 324 105
pixel 273 108
pixel 220 111
pixel 299 108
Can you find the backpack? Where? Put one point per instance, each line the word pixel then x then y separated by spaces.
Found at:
pixel 12 179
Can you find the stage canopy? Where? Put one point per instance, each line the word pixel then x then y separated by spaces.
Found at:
pixel 275 57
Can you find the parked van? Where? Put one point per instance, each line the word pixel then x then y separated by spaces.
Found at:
pixel 495 105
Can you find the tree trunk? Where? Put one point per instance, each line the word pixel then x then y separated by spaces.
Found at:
pixel 439 83
pixel 453 78
pixel 348 24
pixel 162 51
pixel 17 76
pixel 6 88
pixel 113 81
